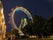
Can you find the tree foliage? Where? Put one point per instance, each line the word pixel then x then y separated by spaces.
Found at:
pixel 41 26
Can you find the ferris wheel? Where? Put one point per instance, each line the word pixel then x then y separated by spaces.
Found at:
pixel 23 21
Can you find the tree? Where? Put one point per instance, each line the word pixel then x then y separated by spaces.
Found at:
pixel 49 25
pixel 27 29
pixel 14 31
pixel 47 28
pixel 36 27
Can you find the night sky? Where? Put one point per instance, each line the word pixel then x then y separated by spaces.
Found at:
pixel 43 8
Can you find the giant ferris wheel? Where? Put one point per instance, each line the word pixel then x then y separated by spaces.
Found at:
pixel 23 21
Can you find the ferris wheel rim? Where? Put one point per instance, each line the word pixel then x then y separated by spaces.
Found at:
pixel 22 9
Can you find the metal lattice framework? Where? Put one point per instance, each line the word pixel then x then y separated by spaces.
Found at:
pixel 2 23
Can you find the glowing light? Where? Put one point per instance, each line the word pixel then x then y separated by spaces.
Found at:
pixel 2 23
pixel 23 23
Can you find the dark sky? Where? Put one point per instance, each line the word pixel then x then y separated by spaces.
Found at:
pixel 43 8
pixel 39 7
